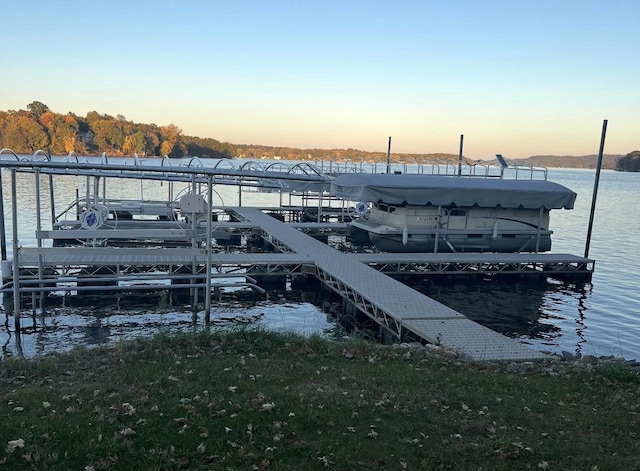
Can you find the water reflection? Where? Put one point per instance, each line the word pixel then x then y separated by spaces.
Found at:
pixel 106 321
pixel 536 312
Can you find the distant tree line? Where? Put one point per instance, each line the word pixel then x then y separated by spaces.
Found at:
pixel 569 161
pixel 630 162
pixel 39 128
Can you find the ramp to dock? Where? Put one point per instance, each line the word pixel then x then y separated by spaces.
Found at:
pixel 389 302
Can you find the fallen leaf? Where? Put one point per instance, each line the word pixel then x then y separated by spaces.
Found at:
pixel 127 432
pixel 13 444
pixel 268 406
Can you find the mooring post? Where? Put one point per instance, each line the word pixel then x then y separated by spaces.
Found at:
pixel 460 156
pixel 389 156
pixel 595 189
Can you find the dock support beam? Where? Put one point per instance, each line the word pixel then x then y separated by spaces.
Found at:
pixel 16 262
pixel 3 235
pixel 207 303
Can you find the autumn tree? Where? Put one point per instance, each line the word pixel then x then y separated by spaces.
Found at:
pixel 108 135
pixel 152 139
pixel 171 144
pixel 21 132
pixel 62 130
pixel 37 108
pixel 134 143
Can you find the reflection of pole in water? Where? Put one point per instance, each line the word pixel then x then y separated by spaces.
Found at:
pixel 5 346
pixel 5 350
pixel 582 292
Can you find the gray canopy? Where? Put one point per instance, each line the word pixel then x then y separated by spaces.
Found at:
pixel 452 191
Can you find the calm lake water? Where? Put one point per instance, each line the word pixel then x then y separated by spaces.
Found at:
pixel 599 318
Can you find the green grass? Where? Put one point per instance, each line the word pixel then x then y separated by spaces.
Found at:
pixel 258 400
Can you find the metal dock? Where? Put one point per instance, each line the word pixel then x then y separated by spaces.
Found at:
pixel 130 253
pixel 392 304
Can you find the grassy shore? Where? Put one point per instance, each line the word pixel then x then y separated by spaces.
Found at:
pixel 266 401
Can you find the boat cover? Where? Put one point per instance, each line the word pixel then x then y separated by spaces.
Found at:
pixel 452 191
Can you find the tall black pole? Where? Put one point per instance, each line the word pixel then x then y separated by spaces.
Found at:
pixel 460 156
pixel 389 156
pixel 595 188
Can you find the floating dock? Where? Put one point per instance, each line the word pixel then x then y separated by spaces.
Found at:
pixel 392 304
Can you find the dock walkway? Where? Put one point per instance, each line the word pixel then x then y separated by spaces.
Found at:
pixel 389 302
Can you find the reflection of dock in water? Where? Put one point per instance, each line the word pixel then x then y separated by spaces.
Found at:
pixel 531 309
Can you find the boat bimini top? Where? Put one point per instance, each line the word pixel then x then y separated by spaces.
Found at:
pixel 452 191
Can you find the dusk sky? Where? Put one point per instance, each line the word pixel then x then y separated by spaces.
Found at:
pixel 519 78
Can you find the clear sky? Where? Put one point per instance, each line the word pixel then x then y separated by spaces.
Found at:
pixel 515 77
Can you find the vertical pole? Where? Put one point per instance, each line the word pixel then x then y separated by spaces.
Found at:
pixel 39 240
pixel 460 155
pixel 595 188
pixel 389 156
pixel 207 302
pixel 51 196
pixel 194 244
pixel 52 200
pixel 437 234
pixel 16 263
pixel 540 213
pixel 88 192
pixel 3 234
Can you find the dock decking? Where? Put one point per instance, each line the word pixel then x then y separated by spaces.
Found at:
pixel 389 302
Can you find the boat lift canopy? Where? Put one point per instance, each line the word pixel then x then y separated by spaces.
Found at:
pixel 452 191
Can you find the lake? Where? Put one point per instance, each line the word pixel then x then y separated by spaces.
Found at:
pixel 597 318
